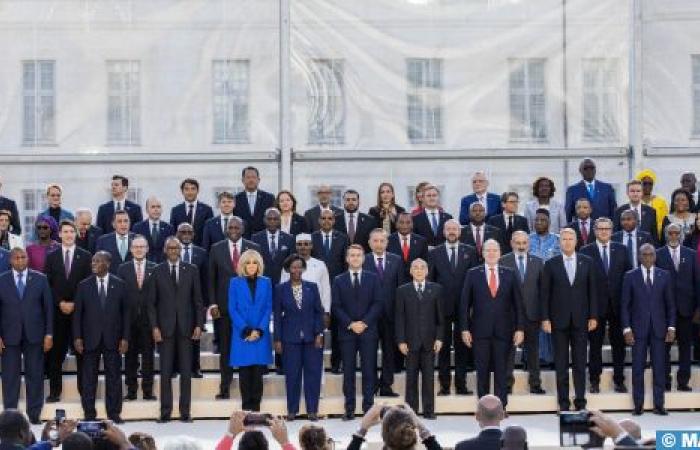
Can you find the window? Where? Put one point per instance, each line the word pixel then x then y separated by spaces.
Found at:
pixel 336 196
pixel 527 100
pixel 326 97
pixel 39 95
pixel 33 202
pixel 231 84
pixel 424 100
pixel 124 103
pixel 696 95
pixel 601 98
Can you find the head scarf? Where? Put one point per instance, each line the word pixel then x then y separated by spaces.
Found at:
pixel 51 222
pixel 646 173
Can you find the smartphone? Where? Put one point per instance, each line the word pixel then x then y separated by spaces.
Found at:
pixel 256 419
pixel 60 415
pixel 93 428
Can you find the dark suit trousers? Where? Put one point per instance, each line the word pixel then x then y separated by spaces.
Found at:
pixel 33 355
pixel 421 361
pixel 684 337
pixel 224 324
pixel 491 354
pixel 463 356
pixel 595 351
pixel 658 366
pixel 113 381
pixel 250 380
pixel 62 340
pixel 336 356
pixel 169 348
pixel 532 351
pixel 302 360
pixel 367 348
pixel 389 351
pixel 576 339
pixel 140 344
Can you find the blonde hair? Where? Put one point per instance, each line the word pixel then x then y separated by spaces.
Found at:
pixel 246 256
pixel 54 186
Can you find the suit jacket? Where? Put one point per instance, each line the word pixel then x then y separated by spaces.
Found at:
pixel 108 243
pixel 95 324
pixel 298 225
pixel 423 227
pixel 335 261
pixel 646 223
pixel 493 206
pixel 647 312
pixel 250 312
pixel 531 286
pixel 4 260
pixel 31 315
pixel 376 215
pixel 221 271
pixel 286 245
pixel 499 221
pixel 176 305
pixel 419 322
pixel 451 279
pixel 296 325
pixel 366 305
pixel 392 279
pixel 138 298
pixel 200 258
pixel 576 226
pixel 10 205
pixel 202 213
pixel 490 232
pixel 313 214
pixel 610 284
pixel 685 280
pixel 603 204
pixel 363 227
pixel 485 440
pixel 62 288
pixel 642 238
pixel 565 303
pixel 155 249
pixel 417 248
pixel 213 232
pixel 89 242
pixel 105 214
pixel 254 222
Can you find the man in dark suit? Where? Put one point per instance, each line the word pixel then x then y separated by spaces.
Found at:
pixel 407 244
pixel 176 315
pixel 26 332
pixel 490 201
pixel 528 268
pixel 192 210
pixel 87 232
pixel 489 414
pixel 648 314
pixel 313 214
pixel 431 221
pixel 646 214
pixel 449 264
pixel 631 237
pixel 330 246
pixel 117 242
pixel 476 232
pixel 492 319
pixel 101 330
pixel 600 194
pixel 136 275
pixel 4 260
pixel 64 269
pixel 215 228
pixel 689 183
pixel 8 204
pixel 388 269
pixel 354 224
pixel 155 230
pixel 610 263
pixel 419 323
pixel 275 245
pixel 681 263
pixel 582 223
pixel 357 304
pixel 509 221
pixel 223 262
pixel 570 313
pixel 119 202
pixel 251 202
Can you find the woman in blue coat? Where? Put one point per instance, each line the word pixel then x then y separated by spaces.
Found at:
pixel 299 337
pixel 250 308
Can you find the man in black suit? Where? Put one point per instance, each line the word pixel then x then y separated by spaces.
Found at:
pixel 313 214
pixel 407 244
pixel 354 224
pixel 64 269
pixel 489 414
pixel 223 262
pixel 449 264
pixel 8 204
pixel 275 245
pixel 26 330
pixel 136 275
pixel 476 232
pixel 87 232
pixel 431 221
pixel 610 263
pixel 388 269
pixel 582 224
pixel 419 323
pixel 215 228
pixel 570 312
pixel 251 202
pixel 117 242
pixel 101 329
pixel 155 230
pixel 192 210
pixel 631 237
pixel 176 315
pixel 119 202
pixel 330 246
pixel 509 221
pixel 646 213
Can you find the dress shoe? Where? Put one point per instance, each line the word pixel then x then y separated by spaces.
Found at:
pixel 290 417
pixel 35 420
pixel 595 388
pixel 186 418
pixel 149 397
pixel 53 398
pixel 336 370
pixel 130 396
pixel 348 416
pixel 660 411
pixel 537 390
pixel 429 416
pixel 509 390
pixel 684 388
pixel 387 393
pixel 197 374
pixel 116 420
pixel 90 418
pixel 163 419
pixel 564 408
pixel 463 391
pixel 638 411
pixel 313 417
pixel 621 388
pixel 668 387
pixel 443 392
pixel 222 396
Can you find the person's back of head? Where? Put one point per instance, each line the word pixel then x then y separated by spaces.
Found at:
pixel 514 438
pixel 489 411
pixel 632 428
pixel 14 428
pixel 142 441
pixel 312 437
pixel 252 440
pixel 77 441
pixel 399 430
pixel 182 443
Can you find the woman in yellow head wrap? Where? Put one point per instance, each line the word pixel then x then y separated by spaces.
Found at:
pixel 648 179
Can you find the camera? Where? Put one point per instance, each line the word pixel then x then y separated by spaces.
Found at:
pixel 257 419
pixel 93 428
pixel 575 429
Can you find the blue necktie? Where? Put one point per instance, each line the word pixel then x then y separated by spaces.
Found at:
pixel 273 246
pixel 102 293
pixel 630 249
pixel 648 283
pixel 591 190
pixel 521 267
pixel 434 223
pixel 327 245
pixel 187 258
pixel 606 260
pixel 380 268
pixel 20 285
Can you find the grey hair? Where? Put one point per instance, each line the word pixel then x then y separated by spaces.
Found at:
pixel 675 226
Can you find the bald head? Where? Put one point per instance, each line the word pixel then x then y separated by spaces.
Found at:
pixel 489 411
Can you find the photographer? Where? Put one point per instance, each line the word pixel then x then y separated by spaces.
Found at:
pixel 253 439
pixel 401 429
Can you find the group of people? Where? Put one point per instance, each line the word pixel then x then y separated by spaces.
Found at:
pixel 420 284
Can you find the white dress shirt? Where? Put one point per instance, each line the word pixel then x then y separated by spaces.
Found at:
pixel 177 269
pixel 625 235
pixel 24 273
pixel 65 249
pixel 105 278
pixel 419 286
pixel 194 208
pixel 376 260
pixel 316 272
pixel 277 239
pixel 355 216
pixel 352 275
pixel 238 244
pixel 481 232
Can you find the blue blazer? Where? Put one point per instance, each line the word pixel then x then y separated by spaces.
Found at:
pixel 213 233
pixel 32 315
pixel 203 212
pixel 250 314
pixel 367 306
pixel 4 260
pixel 394 276
pixel 96 325
pixel 108 243
pixel 647 312
pixel 155 249
pixel 294 325
pixel 686 281
pixel 493 206
pixel 603 204
pixel 64 214
pixel 105 214
pixel 286 245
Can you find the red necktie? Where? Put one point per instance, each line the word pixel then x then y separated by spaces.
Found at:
pixel 404 248
pixel 584 232
pixel 234 257
pixel 478 240
pixel 493 283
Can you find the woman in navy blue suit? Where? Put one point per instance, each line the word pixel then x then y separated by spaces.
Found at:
pixel 250 308
pixel 299 337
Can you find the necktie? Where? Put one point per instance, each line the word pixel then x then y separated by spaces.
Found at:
pixel 419 291
pixel 570 270
pixel 404 249
pixel 20 285
pixel 676 261
pixel 225 224
pixel 521 267
pixel 119 206
pixel 102 293
pixel 187 256
pixel 327 244
pixel 380 268
pixel 649 285
pixel 234 258
pixel 453 257
pixel 434 223
pixel 606 260
pixel 493 283
pixel 584 231
pixel 154 232
pixel 273 246
pixel 355 281
pixel 173 274
pixel 66 263
pixel 122 247
pixel 139 274
pixel 190 213
pixel 591 190
pixel 477 239
pixel 630 250
pixel 351 228
pixel 251 203
pixel 509 228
